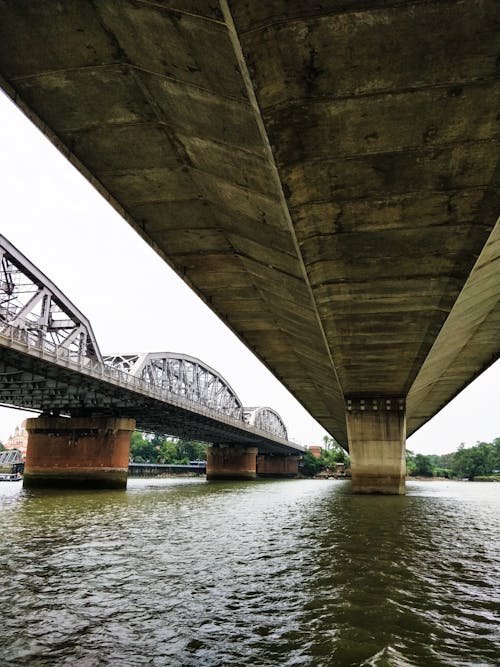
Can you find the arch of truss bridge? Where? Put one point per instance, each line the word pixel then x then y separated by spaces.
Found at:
pixel 182 375
pixel 31 302
pixel 10 456
pixel 266 419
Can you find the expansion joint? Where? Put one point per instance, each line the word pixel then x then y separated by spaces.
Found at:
pixel 375 404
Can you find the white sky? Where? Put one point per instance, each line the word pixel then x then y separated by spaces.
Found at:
pixel 135 302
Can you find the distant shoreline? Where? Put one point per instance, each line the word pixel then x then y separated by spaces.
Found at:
pixel 451 479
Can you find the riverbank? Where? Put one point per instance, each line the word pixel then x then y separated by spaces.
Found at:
pixel 479 478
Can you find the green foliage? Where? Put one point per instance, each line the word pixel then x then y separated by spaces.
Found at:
pixel 191 450
pixel 333 453
pixel 481 460
pixel 442 472
pixel 410 462
pixel 310 465
pixel 445 460
pixel 423 466
pixel 141 448
pixel 331 458
pixel 159 449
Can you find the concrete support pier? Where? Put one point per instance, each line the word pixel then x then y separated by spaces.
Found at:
pixel 85 452
pixel 376 430
pixel 269 465
pixel 231 462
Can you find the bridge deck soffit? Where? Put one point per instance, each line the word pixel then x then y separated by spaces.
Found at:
pixel 324 176
pixel 463 345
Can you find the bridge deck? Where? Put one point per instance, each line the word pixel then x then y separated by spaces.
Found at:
pixel 324 174
pixel 38 379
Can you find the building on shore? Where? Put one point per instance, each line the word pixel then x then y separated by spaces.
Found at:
pixel 315 450
pixel 19 440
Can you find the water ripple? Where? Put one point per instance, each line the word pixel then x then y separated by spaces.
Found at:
pixel 188 574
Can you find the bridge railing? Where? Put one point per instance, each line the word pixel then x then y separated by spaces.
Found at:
pixel 22 339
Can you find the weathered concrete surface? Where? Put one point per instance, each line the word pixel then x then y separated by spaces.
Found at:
pixel 231 462
pixel 324 174
pixel 463 347
pixel 78 452
pixel 269 465
pixel 376 430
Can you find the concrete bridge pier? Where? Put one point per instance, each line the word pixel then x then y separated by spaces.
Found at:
pixel 275 465
pixel 231 462
pixel 376 431
pixel 84 452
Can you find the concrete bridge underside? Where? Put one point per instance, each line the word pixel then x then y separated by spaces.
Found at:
pixel 323 174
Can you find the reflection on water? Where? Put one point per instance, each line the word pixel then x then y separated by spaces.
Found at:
pixel 299 572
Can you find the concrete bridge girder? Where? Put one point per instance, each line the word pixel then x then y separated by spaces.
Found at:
pixel 324 176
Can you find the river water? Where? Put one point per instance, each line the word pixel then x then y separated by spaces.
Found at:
pixel 298 572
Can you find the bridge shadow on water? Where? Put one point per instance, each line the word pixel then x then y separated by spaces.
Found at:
pixel 360 557
pixel 396 580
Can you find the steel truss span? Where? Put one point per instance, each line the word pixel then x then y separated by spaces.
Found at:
pixel 266 419
pixel 50 361
pixel 183 376
pixel 33 304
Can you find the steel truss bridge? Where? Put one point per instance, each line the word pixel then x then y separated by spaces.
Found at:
pixel 50 362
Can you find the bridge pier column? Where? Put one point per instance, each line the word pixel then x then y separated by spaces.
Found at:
pixel 376 431
pixel 275 465
pixel 85 452
pixel 231 462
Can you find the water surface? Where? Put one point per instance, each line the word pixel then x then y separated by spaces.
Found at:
pixel 298 572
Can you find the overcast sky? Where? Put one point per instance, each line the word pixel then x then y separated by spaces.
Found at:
pixel 137 304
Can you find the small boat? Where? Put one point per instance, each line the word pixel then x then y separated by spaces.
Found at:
pixel 10 477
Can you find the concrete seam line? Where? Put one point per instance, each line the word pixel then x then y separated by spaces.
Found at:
pixel 233 34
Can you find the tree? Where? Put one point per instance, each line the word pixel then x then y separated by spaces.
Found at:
pixel 192 450
pixel 445 461
pixel 473 461
pixel 330 458
pixel 311 465
pixel 159 449
pixel 333 452
pixel 496 454
pixel 423 466
pixel 166 451
pixel 141 449
pixel 410 462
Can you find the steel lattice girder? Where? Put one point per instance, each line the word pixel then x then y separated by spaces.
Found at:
pixel 30 301
pixel 33 381
pixel 183 376
pixel 45 319
pixel 266 419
